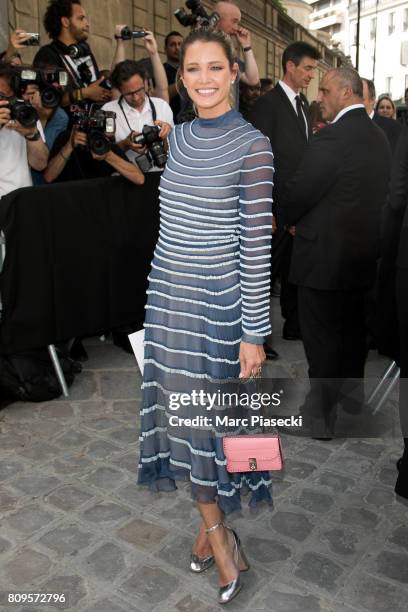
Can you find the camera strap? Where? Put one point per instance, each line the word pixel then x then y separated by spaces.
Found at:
pixel 71 67
pixel 152 107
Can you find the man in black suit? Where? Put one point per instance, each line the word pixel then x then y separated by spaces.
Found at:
pixel 282 115
pixel 381 305
pixel 398 206
pixel 391 127
pixel 335 202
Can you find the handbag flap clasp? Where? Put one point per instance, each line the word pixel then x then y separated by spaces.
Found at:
pixel 252 464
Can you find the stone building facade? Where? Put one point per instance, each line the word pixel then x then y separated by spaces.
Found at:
pixel 272 29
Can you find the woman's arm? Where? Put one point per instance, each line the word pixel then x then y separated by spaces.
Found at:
pixel 255 199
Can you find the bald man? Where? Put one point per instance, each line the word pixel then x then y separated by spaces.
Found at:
pixel 335 200
pixel 230 23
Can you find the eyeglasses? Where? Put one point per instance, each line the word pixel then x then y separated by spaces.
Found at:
pixel 136 92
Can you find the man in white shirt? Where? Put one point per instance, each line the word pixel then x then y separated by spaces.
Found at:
pixel 20 147
pixel 135 109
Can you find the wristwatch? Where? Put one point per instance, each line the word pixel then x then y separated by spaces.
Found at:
pixel 247 49
pixel 34 137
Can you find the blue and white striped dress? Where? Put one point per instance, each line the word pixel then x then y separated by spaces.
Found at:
pixel 208 290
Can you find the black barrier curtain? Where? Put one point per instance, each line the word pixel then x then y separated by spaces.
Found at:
pixel 77 259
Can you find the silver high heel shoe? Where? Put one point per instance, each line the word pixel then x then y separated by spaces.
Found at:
pixel 198 565
pixel 227 592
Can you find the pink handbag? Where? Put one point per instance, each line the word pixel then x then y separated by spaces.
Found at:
pixel 257 453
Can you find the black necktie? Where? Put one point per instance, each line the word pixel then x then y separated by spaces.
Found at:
pixel 300 115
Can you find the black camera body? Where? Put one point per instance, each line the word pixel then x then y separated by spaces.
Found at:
pixel 21 111
pixel 155 155
pixel 33 41
pixel 51 95
pixel 98 125
pixel 127 33
pixel 198 18
pixel 107 84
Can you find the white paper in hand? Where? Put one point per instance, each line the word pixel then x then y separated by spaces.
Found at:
pixel 137 341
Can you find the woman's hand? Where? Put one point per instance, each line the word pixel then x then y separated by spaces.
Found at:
pixel 251 358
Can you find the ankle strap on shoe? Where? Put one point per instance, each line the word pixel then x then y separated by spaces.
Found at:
pixel 214 527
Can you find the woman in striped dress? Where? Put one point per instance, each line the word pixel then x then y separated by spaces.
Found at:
pixel 208 299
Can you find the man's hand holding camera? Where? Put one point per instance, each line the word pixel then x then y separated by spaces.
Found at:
pixel 5 114
pixel 29 133
pixel 18 38
pixel 130 144
pixel 96 93
pixel 165 129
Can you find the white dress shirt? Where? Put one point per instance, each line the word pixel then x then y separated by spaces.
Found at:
pixel 15 169
pixel 346 110
pixel 292 99
pixel 137 119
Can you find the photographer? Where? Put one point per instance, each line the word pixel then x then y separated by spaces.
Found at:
pixel 136 109
pixel 172 45
pixel 21 147
pixel 230 23
pixel 72 159
pixel 17 41
pixel 161 85
pixel 53 120
pixel 66 24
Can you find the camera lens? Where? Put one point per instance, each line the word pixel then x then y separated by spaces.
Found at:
pixel 23 113
pixel 98 143
pixel 50 97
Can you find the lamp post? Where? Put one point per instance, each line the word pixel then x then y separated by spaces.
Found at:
pixel 358 34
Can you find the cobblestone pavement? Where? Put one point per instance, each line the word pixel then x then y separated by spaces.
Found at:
pixel 73 521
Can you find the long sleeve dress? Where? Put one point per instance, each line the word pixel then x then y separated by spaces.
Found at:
pixel 208 291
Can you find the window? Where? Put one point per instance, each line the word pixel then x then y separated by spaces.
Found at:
pixel 373 27
pixel 354 33
pixel 323 5
pixel 391 23
pixel 388 84
pixel 405 22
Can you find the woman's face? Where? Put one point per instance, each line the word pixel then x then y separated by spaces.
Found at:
pixel 386 109
pixel 208 77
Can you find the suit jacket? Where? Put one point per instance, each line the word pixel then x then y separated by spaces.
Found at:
pixel 335 201
pixel 275 117
pixel 391 128
pixel 399 195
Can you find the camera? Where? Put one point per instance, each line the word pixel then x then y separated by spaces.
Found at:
pixel 127 33
pixel 21 111
pixel 33 41
pixel 98 125
pixel 156 155
pixel 107 84
pixel 81 49
pixel 199 18
pixel 44 79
